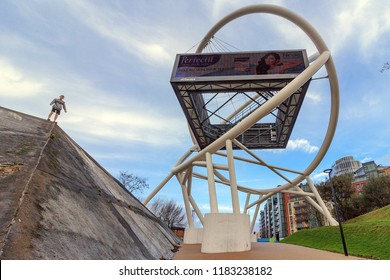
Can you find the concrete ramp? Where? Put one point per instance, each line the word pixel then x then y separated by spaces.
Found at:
pixel 57 202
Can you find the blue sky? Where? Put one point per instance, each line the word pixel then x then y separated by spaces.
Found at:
pixel 113 61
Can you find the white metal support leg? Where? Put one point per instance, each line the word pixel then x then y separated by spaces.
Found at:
pixel 328 216
pixel 232 177
pixel 158 188
pixel 197 210
pixel 211 182
pixel 255 216
pixel 186 202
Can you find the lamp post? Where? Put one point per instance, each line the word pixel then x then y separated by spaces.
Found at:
pixel 337 211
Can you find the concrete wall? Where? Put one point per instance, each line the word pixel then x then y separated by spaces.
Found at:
pixel 57 202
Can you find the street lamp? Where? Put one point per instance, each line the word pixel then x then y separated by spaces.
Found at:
pixel 337 211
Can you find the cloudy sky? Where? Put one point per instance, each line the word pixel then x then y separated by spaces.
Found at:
pixel 113 61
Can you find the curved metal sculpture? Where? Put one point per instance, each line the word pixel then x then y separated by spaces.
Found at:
pixel 183 170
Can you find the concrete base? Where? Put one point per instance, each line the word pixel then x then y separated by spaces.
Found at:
pixel 225 232
pixel 253 238
pixel 193 236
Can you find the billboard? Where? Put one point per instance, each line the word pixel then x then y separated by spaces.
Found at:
pixel 241 65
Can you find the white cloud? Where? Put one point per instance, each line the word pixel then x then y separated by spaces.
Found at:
pixel 372 106
pixel 223 208
pixel 372 100
pixel 366 159
pixel 250 181
pixel 94 115
pixel 362 23
pixel 125 126
pixel 319 177
pixel 301 144
pixel 99 116
pixel 14 41
pixel 134 37
pixel 221 8
pixel 13 82
pixel 314 97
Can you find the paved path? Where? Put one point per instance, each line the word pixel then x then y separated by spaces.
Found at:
pixel 262 251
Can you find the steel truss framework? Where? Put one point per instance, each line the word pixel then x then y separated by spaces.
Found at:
pixel 208 145
pixel 262 135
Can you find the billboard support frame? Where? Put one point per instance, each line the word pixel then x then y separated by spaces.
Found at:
pixel 186 163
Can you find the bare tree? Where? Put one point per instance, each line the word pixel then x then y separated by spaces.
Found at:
pixel 132 182
pixel 386 66
pixel 169 212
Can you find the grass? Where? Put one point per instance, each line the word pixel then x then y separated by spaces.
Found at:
pixel 366 236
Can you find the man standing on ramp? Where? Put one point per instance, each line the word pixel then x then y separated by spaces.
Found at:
pixel 58 104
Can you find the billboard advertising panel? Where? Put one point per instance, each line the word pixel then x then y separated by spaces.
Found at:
pixel 242 65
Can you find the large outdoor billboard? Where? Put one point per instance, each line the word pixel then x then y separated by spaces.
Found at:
pixel 242 65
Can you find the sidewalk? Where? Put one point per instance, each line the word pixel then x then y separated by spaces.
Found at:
pixel 261 251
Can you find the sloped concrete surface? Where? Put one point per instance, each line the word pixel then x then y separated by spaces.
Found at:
pixel 57 202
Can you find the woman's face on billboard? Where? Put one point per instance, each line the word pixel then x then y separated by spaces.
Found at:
pixel 270 60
